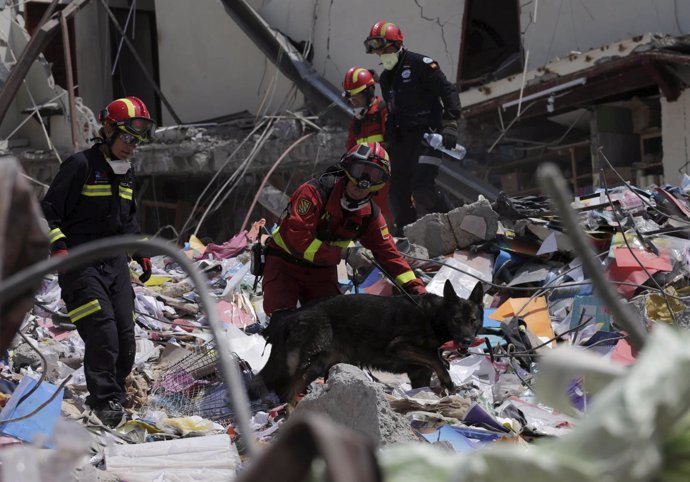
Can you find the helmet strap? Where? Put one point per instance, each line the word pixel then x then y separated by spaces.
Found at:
pixel 350 204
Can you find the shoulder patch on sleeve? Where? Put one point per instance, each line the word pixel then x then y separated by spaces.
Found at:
pixel 427 60
pixel 303 206
pixel 384 232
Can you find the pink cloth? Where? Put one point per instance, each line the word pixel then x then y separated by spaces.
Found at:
pixel 228 249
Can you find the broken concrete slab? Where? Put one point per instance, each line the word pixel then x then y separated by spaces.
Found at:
pixel 434 232
pixel 473 223
pixel 273 199
pixel 351 399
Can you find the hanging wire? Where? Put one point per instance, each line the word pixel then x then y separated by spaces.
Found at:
pixel 124 30
pixel 268 174
pixel 627 244
pixel 536 288
pixel 555 186
pixel 637 194
pixel 237 174
pixel 217 173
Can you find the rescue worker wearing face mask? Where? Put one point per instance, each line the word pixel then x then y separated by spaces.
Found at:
pixel 369 121
pixel 92 197
pixel 420 99
pixel 323 218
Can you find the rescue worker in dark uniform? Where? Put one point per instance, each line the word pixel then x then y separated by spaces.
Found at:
pixel 324 217
pixel 368 123
pixel 420 99
pixel 92 197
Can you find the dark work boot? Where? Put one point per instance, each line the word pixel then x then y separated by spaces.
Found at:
pixel 111 414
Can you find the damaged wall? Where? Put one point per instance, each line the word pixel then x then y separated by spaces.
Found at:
pixel 675 130
pixel 95 81
pixel 566 25
pixel 339 29
pixel 210 68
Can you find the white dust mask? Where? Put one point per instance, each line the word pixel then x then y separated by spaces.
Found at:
pixel 360 112
pixel 389 60
pixel 119 167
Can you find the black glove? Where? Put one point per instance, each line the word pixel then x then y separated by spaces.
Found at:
pixel 145 264
pixel 450 134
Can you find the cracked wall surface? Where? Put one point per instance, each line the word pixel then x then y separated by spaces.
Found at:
pixel 210 68
pixel 562 26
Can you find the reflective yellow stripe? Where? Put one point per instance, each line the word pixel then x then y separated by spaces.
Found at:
pixel 55 234
pixel 406 277
pixel 359 89
pixel 131 110
pixel 366 140
pixel 279 240
pixel 346 243
pixel 84 310
pixel 312 249
pixel 96 190
pixel 126 193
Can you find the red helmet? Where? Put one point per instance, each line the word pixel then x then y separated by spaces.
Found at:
pixel 367 166
pixel 382 34
pixel 356 80
pixel 130 115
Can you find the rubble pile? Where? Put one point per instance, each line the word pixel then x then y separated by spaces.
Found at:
pixel 537 298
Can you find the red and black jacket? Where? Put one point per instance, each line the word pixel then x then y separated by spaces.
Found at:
pixel 371 128
pixel 316 228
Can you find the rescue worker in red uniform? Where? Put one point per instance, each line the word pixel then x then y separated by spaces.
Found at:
pixel 420 99
pixel 324 217
pixel 92 197
pixel 369 121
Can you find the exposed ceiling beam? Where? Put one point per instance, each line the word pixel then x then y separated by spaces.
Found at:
pixel 647 65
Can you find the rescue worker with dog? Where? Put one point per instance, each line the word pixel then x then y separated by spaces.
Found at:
pixel 324 217
pixel 420 99
pixel 369 121
pixel 92 197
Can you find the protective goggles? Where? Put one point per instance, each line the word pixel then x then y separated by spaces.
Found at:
pixel 140 127
pixel 375 43
pixel 364 173
pixel 128 138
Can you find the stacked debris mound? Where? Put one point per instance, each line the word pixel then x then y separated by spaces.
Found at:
pixel 537 298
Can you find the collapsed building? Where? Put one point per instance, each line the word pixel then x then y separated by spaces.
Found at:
pixel 210 166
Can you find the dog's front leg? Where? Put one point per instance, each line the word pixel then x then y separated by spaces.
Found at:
pixel 416 356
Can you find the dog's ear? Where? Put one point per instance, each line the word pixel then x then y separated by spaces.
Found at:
pixel 449 291
pixel 477 295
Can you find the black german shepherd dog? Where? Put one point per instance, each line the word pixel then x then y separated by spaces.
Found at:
pixel 393 334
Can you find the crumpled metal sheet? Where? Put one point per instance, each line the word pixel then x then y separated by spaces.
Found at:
pixel 23 242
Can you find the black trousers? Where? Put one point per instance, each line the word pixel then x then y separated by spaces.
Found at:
pixel 100 302
pixel 414 167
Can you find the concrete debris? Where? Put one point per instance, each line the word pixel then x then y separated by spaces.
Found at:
pixel 463 226
pixel 434 232
pixel 515 249
pixel 473 223
pixel 351 399
pixel 274 200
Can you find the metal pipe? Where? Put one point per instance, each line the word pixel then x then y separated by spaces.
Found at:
pixel 19 283
pixel 70 81
pixel 289 61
